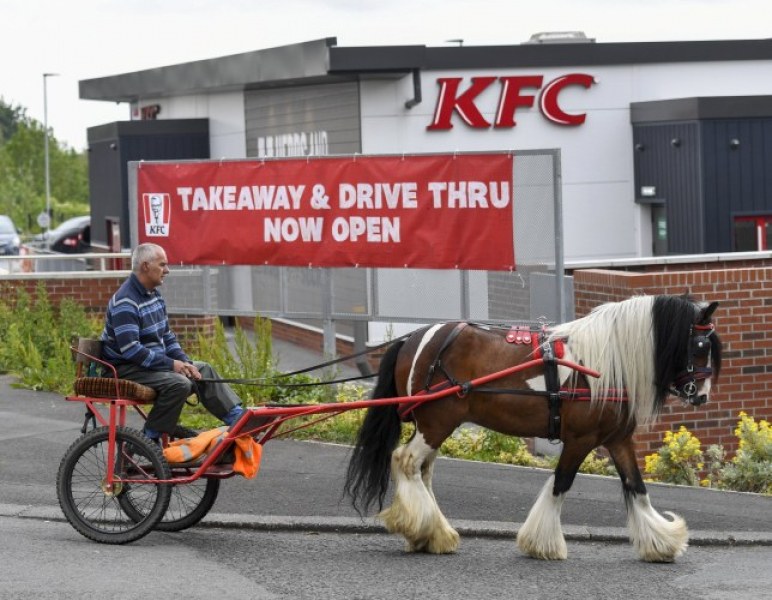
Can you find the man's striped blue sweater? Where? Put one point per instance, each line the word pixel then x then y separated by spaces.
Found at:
pixel 137 329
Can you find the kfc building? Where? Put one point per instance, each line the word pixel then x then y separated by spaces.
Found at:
pixel 664 146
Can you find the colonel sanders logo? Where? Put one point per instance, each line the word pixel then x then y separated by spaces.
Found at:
pixel 157 212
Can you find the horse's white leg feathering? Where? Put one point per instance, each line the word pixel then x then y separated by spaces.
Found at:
pixel 414 512
pixel 541 536
pixel 656 538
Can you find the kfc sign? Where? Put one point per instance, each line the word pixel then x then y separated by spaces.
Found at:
pixel 514 93
pixel 421 211
pixel 156 210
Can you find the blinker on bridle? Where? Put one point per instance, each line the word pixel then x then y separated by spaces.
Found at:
pixel 685 384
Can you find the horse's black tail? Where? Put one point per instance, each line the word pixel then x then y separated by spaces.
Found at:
pixel 367 477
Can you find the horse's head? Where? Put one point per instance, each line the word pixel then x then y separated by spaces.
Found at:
pixel 699 361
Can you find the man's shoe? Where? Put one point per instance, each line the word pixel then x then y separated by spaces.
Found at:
pixel 234 414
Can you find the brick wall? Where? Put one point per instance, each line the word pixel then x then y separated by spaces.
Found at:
pixel 93 292
pixel 744 322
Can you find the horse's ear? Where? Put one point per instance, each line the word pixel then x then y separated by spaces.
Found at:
pixel 706 313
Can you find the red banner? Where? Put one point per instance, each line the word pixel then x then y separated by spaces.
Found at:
pixel 437 212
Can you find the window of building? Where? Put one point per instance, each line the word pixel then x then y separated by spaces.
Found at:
pixel 753 233
pixel 659 229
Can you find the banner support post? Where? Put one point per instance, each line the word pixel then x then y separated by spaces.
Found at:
pixel 329 323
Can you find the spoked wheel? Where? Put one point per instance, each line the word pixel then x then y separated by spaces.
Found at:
pixel 92 506
pixel 189 503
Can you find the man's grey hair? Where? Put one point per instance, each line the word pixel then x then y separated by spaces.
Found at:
pixel 143 253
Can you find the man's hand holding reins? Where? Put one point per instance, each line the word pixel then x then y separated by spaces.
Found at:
pixel 186 369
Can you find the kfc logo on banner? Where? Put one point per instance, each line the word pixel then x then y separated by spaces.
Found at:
pixel 513 95
pixel 157 211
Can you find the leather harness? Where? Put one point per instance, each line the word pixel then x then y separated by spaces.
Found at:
pixel 544 349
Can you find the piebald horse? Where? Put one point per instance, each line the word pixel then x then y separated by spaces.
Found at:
pixel 644 349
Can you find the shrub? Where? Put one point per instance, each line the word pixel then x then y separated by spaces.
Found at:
pixel 248 360
pixel 596 465
pixel 490 446
pixel 35 338
pixel 339 428
pixel 678 460
pixel 751 468
pixel 681 458
pixel 250 357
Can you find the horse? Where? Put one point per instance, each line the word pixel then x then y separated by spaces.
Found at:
pixel 644 349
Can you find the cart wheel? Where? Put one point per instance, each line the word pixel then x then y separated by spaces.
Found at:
pixel 189 503
pixel 91 507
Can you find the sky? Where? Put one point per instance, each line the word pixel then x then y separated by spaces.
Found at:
pixel 85 39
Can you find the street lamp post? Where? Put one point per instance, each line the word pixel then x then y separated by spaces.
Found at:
pixel 45 142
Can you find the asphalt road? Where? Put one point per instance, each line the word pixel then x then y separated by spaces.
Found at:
pixel 304 480
pixel 47 560
pixel 288 534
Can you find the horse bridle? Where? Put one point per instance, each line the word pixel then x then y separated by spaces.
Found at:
pixel 685 384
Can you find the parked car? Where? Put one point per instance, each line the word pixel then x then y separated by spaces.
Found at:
pixel 73 236
pixel 9 236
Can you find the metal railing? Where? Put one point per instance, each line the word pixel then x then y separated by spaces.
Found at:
pixel 39 263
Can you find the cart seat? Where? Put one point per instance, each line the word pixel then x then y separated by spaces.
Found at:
pixel 88 358
pixel 108 387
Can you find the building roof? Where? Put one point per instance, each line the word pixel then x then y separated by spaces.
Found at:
pixel 323 60
pixel 698 108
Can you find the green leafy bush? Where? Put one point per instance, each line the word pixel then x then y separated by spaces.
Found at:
pixel 680 460
pixel 489 446
pixel 751 468
pixel 35 337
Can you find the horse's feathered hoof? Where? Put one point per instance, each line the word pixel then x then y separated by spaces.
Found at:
pixel 556 550
pixel 656 538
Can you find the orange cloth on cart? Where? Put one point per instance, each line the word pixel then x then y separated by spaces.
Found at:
pixel 247 452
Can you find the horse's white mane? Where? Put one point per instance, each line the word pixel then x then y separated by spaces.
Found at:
pixel 617 339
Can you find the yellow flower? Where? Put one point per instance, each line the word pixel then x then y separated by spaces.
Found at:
pixel 652 462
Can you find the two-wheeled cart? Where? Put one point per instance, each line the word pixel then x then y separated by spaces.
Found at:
pixel 115 485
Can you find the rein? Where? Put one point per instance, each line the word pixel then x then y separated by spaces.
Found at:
pixel 276 380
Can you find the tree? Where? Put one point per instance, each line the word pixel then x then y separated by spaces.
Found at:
pixel 22 172
pixel 10 117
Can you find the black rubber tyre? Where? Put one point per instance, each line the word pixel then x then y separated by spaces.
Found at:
pixel 180 432
pixel 95 511
pixel 189 503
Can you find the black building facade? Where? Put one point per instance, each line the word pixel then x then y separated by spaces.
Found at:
pixel 706 165
pixel 110 149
